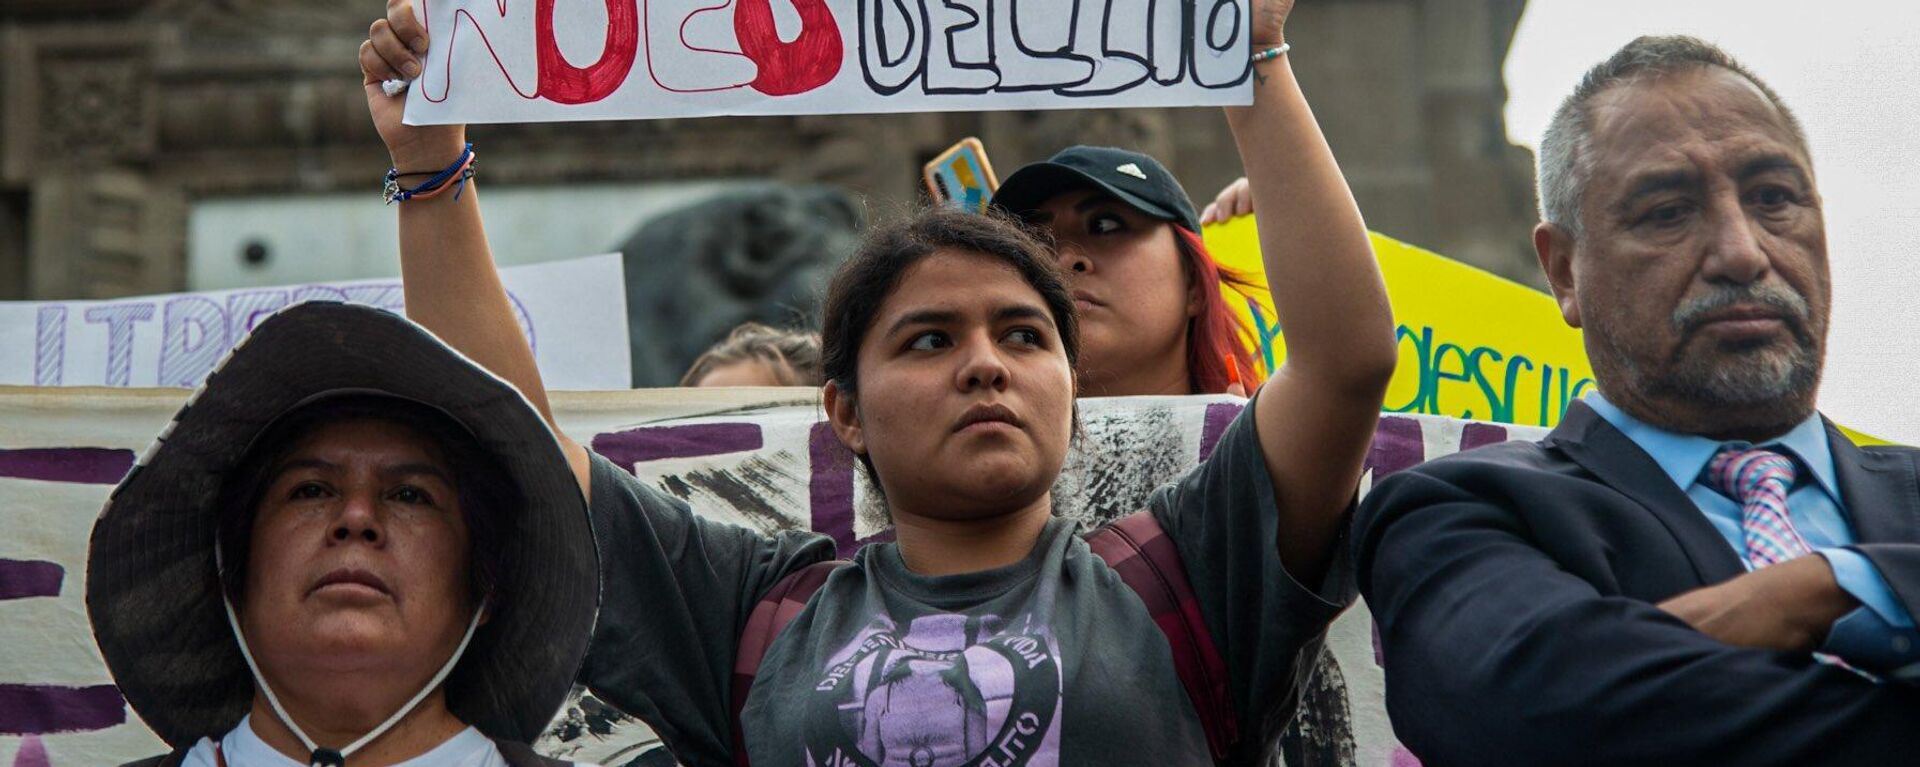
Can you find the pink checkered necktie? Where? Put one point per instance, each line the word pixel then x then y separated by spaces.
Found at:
pixel 1759 479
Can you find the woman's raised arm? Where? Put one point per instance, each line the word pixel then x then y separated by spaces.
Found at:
pixel 1316 415
pixel 452 287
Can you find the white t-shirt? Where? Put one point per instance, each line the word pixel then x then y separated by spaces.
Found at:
pixel 243 748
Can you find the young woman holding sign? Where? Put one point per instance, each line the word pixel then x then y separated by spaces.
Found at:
pixel 989 632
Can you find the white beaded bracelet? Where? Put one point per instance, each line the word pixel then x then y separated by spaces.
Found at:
pixel 1272 53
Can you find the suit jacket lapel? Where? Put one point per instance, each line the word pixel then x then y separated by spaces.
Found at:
pixel 1879 490
pixel 1620 463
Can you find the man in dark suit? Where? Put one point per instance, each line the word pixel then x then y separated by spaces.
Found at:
pixel 1694 567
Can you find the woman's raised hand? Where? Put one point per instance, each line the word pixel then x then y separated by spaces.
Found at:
pixel 396 49
pixel 1233 202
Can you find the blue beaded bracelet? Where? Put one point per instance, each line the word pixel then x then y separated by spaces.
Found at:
pixel 1272 53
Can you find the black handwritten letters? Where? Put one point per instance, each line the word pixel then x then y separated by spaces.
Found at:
pixel 1067 47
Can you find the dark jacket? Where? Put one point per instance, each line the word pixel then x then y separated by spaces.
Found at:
pixel 1514 587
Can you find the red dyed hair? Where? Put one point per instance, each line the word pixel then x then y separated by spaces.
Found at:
pixel 1215 334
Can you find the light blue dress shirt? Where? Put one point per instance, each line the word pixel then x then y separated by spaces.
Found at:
pixel 1880 635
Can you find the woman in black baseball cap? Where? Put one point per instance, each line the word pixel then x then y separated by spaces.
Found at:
pixel 1154 317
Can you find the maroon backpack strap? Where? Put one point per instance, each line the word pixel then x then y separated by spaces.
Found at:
pixel 770 615
pixel 1139 551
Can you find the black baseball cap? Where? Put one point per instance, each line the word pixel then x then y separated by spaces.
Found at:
pixel 1131 177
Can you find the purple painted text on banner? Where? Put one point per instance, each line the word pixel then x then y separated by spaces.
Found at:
pixel 34 709
pixel 32 753
pixel 830 491
pixel 1219 417
pixel 654 443
pixel 85 465
pixel 194 330
pixel 49 353
pixel 1481 435
pixel 1397 444
pixel 24 579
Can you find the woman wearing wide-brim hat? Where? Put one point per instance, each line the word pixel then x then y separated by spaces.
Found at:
pixel 352 546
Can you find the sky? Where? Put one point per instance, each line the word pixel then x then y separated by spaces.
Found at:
pixel 1851 70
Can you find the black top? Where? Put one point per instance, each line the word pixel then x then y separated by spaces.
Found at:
pixel 1052 660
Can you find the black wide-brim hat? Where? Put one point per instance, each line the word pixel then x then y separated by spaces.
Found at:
pixel 153 591
pixel 1130 177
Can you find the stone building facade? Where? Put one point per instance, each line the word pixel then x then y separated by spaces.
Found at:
pixel 117 115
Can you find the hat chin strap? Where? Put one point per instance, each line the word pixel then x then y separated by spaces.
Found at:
pixel 327 757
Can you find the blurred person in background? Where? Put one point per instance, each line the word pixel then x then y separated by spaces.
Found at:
pixel 759 355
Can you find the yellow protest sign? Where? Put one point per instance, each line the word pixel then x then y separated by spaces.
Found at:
pixel 1472 345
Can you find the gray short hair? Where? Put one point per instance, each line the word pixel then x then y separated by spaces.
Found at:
pixel 1563 167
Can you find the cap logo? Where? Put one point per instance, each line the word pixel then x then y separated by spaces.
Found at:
pixel 1133 170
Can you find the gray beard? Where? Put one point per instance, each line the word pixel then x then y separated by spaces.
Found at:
pixel 1737 380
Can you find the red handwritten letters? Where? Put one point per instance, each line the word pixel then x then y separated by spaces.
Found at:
pixel 810 61
pixel 565 83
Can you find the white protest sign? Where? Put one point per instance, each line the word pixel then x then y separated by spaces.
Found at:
pixel 573 311
pixel 546 60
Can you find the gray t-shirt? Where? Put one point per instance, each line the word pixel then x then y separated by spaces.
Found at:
pixel 1052 660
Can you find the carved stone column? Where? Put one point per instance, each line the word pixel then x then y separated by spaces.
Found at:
pixel 104 233
pixel 78 135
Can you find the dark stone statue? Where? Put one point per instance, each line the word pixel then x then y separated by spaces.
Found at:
pixel 762 253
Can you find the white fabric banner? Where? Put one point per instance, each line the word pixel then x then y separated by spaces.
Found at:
pixel 573 311
pixel 541 60
pixel 755 457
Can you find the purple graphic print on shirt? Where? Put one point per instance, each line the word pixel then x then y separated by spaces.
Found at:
pixel 953 690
